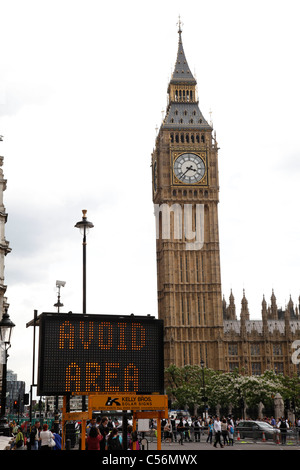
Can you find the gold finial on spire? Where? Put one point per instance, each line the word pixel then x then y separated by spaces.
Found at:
pixel 179 25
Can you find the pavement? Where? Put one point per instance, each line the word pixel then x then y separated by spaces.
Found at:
pixel 238 446
pixel 4 441
pixel 244 445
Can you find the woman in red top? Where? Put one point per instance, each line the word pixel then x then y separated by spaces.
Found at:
pixel 94 438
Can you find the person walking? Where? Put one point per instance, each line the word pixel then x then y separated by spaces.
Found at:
pixel 230 433
pixel 174 429
pixel 180 430
pixel 92 424
pixel 114 441
pixel 197 429
pixel 210 431
pixel 104 430
pixel 47 438
pixel 217 430
pixel 34 436
pixel 224 431
pixel 19 442
pixel 94 438
pixel 283 426
pixel 167 432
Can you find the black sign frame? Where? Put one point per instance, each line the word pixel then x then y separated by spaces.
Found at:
pixel 88 353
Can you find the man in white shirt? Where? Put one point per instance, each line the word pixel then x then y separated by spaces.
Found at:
pixel 217 429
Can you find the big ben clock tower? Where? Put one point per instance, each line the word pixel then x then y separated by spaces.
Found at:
pixel 185 196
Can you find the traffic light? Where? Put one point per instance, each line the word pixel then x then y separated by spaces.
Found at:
pixel 16 405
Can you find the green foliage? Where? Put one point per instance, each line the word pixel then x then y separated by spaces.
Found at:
pixel 186 386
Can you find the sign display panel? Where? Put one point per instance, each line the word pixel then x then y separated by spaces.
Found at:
pixel 98 353
pixel 128 402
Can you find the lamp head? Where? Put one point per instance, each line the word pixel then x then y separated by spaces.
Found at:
pixel 6 327
pixel 84 225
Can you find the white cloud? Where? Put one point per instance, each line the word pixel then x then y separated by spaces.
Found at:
pixel 82 88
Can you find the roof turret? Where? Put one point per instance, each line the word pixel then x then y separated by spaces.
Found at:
pixel 182 72
pixel 183 111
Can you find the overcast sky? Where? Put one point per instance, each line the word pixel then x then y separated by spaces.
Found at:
pixel 82 88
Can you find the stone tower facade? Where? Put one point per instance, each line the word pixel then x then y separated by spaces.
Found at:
pixel 186 196
pixel 199 325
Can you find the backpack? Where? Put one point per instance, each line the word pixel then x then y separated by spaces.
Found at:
pixel 114 444
pixel 20 442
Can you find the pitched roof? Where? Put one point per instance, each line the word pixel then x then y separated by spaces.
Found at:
pixel 182 72
pixel 185 115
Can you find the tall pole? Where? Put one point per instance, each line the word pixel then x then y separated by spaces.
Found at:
pixel 33 366
pixel 84 291
pixel 203 382
pixel 84 271
pixel 84 225
pixel 4 384
pixel 6 327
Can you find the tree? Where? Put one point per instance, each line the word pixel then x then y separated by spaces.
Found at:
pixel 185 387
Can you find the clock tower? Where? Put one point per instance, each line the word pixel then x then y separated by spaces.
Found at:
pixel 185 196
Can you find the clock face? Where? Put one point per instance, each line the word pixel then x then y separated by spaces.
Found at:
pixel 189 168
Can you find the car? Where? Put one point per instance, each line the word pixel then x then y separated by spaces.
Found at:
pixel 4 427
pixel 256 430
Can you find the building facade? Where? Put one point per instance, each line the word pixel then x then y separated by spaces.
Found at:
pixel 15 392
pixel 254 346
pixel 4 244
pixel 198 323
pixel 4 250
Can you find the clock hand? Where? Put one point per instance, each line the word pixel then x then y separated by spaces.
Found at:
pixel 189 168
pixel 184 173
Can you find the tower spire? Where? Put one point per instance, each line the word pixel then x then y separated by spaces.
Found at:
pixel 182 72
pixel 179 23
pixel 183 109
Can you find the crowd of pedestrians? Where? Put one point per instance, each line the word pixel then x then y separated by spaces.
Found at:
pixel 36 437
pixel 215 430
pixel 105 434
pixel 101 434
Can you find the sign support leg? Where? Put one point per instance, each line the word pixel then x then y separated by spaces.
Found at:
pixel 63 443
pixel 83 427
pixel 133 430
pixel 158 432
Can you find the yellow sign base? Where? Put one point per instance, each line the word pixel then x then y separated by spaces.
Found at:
pixel 142 407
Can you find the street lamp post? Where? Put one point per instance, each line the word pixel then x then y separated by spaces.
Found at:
pixel 6 327
pixel 204 398
pixel 84 225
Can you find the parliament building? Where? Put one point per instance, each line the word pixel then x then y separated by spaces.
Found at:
pixel 199 325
